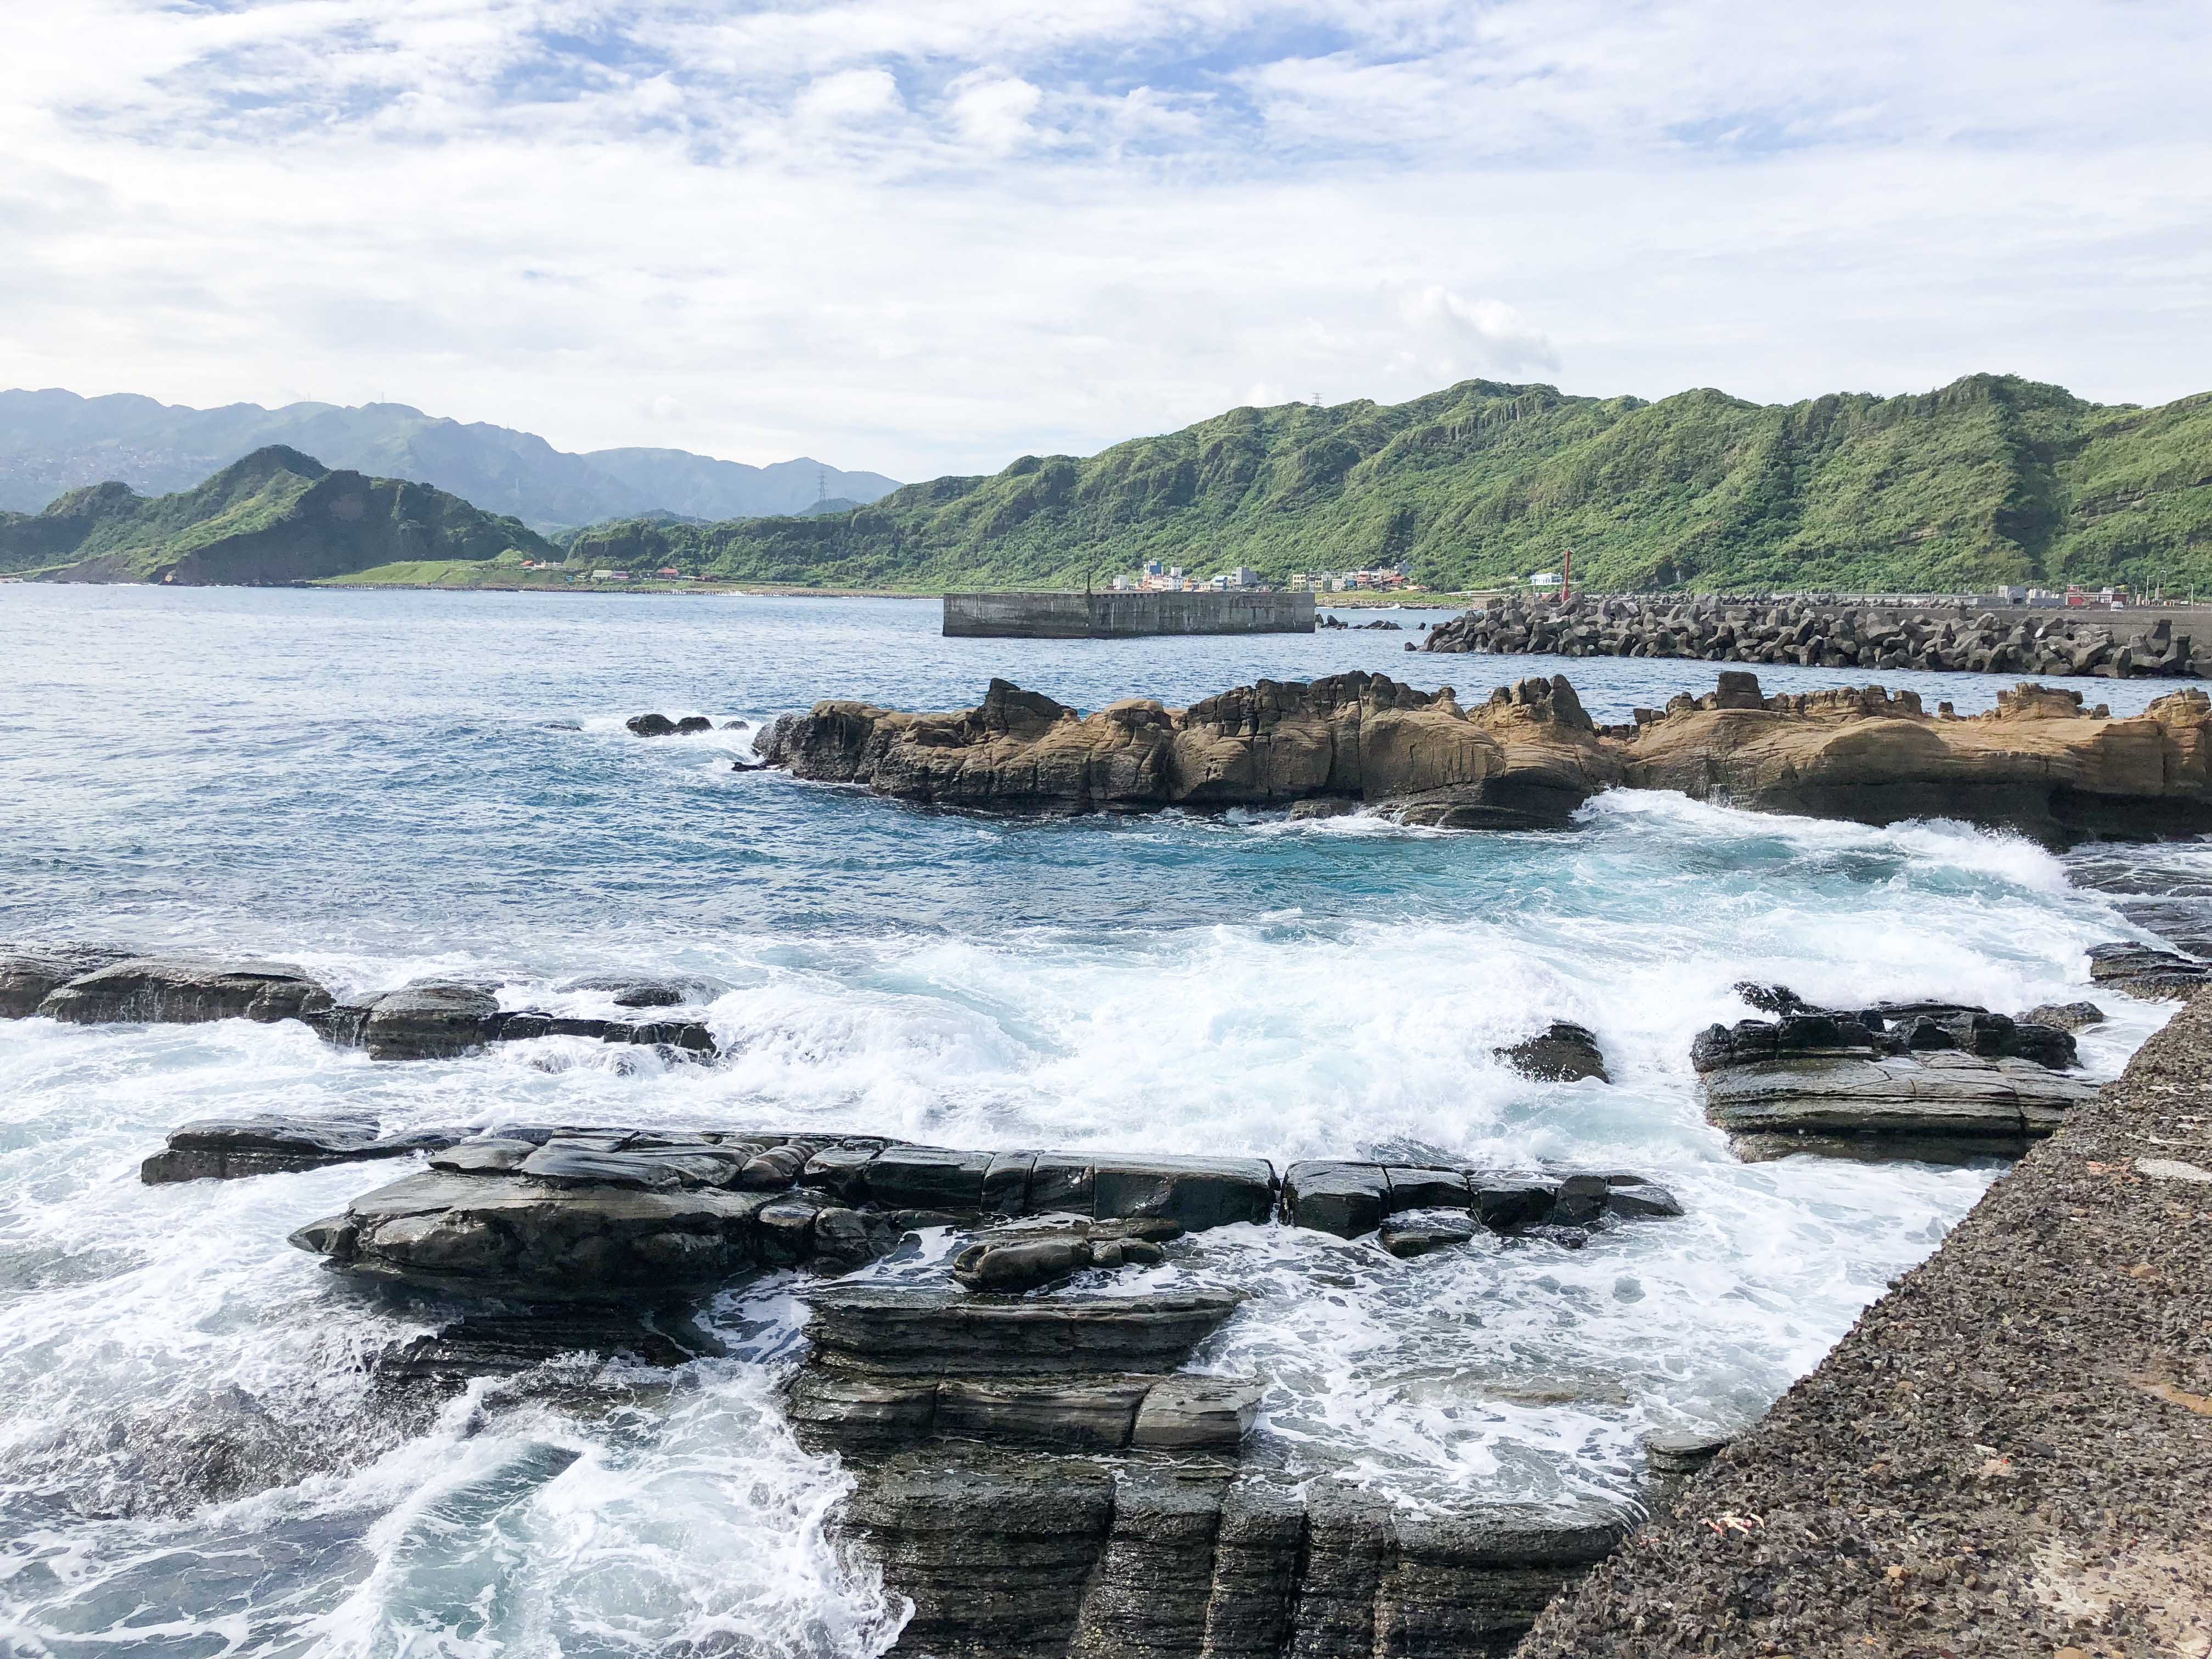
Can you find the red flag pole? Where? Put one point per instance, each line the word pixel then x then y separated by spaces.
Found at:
pixel 1567 580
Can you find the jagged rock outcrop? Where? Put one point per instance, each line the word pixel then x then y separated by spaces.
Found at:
pixel 1717 629
pixel 2039 763
pixel 1529 758
pixel 1933 1081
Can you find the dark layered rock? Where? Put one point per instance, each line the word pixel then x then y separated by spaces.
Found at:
pixel 950 1334
pixel 29 972
pixel 1714 628
pixel 1561 1053
pixel 495 1345
pixel 1351 1199
pixel 1181 1560
pixel 430 1019
pixel 2141 970
pixel 1017 1259
pixel 185 990
pixel 227 1149
pixel 1921 1081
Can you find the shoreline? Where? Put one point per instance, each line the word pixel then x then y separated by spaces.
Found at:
pixel 2007 1455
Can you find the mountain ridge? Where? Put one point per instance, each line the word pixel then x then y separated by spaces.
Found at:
pixel 274 515
pixel 1992 478
pixel 53 441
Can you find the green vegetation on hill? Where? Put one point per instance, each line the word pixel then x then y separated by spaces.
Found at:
pixel 276 516
pixel 1991 479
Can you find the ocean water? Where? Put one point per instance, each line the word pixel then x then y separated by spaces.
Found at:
pixel 192 1461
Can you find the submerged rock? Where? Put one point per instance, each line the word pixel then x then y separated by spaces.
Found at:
pixel 227 1149
pixel 646 990
pixel 1561 1053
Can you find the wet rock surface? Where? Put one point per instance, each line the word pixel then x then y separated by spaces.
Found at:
pixel 1561 1053
pixel 2042 764
pixel 29 972
pixel 2006 1455
pixel 184 990
pixel 2142 970
pixel 229 1149
pixel 431 1018
pixel 1929 1081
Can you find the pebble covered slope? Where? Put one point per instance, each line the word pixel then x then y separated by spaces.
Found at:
pixel 2010 1454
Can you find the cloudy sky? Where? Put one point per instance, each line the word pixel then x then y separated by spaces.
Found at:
pixel 930 235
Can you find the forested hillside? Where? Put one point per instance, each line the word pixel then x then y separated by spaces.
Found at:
pixel 1991 479
pixel 276 516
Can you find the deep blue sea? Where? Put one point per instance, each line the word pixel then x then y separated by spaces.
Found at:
pixel 379 785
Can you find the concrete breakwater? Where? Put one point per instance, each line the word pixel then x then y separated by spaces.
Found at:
pixel 1715 629
pixel 1123 616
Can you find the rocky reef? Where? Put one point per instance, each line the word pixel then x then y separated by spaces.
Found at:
pixel 1526 759
pixel 1715 629
pixel 424 1019
pixel 1935 1082
pixel 2039 763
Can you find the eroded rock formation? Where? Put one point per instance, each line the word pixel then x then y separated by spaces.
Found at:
pixel 1527 758
pixel 2039 763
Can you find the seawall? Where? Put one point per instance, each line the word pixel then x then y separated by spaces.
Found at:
pixel 1123 616
pixel 2008 1455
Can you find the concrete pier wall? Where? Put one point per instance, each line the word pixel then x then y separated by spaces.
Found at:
pixel 1123 616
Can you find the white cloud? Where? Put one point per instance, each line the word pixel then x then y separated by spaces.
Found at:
pixel 993 110
pixel 929 235
pixel 1455 337
pixel 851 95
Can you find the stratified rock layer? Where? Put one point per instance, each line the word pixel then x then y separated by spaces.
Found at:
pixel 2039 763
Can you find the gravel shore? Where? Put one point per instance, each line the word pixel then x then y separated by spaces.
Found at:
pixel 2010 1454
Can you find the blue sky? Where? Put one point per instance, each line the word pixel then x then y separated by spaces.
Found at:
pixel 923 237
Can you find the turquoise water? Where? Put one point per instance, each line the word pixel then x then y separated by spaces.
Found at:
pixel 382 784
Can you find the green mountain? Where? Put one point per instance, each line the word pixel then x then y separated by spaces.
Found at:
pixel 1991 479
pixel 276 516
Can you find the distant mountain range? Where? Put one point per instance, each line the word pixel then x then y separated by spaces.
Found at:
pixel 54 441
pixel 1991 479
pixel 274 516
